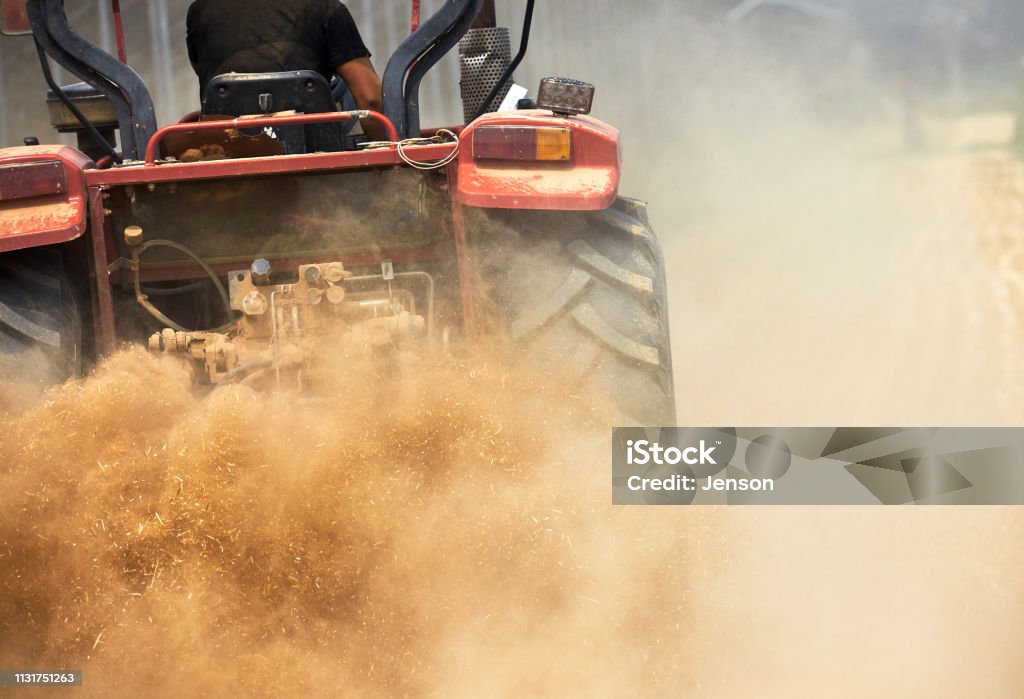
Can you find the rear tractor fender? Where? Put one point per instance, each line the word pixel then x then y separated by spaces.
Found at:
pixel 42 196
pixel 532 159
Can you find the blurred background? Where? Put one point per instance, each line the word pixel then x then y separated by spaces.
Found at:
pixel 649 59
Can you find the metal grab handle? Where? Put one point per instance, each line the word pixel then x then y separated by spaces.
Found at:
pixel 246 123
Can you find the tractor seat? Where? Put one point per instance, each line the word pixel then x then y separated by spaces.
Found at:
pixel 304 91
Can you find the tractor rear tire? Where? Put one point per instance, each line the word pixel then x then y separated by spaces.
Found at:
pixel 583 295
pixel 40 326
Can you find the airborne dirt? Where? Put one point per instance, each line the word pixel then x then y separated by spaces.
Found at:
pixel 456 542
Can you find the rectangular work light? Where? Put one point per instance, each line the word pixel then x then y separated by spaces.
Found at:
pixel 565 96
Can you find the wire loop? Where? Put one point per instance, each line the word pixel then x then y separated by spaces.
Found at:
pixel 442 136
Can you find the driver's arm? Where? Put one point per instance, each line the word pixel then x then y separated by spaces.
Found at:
pixel 364 84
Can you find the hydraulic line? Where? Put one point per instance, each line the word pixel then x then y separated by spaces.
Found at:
pixel 143 299
pixel 174 291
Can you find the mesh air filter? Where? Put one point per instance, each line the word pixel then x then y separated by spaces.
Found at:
pixel 484 54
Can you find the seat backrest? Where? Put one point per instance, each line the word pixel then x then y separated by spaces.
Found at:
pixel 304 91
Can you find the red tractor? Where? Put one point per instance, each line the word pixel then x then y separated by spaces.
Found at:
pixel 260 226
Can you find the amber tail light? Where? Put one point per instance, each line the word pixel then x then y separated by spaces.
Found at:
pixel 534 143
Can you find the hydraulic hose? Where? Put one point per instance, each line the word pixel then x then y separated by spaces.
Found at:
pixel 143 300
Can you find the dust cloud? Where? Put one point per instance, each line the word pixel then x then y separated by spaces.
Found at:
pixel 458 541
pixel 455 539
pixel 846 261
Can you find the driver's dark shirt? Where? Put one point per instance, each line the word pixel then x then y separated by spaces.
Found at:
pixel 262 36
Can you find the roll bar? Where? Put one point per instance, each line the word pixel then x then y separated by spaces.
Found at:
pixel 420 51
pixel 122 85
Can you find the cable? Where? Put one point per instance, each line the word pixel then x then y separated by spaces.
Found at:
pixel 439 137
pixel 221 291
pixel 435 139
pixel 174 291
pixel 153 310
pixel 241 371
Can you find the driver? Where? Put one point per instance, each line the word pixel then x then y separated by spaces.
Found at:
pixel 260 36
